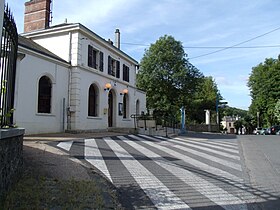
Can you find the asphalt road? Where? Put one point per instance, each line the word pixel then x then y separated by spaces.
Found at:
pixel 261 162
pixel 197 171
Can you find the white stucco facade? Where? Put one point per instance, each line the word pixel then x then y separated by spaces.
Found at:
pixel 71 81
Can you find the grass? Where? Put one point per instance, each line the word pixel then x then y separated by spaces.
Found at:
pixel 39 192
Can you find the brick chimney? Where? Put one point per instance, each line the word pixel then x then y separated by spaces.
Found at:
pixel 37 15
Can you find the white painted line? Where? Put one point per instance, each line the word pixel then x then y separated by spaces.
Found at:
pixel 211 146
pixel 209 190
pixel 159 194
pixel 66 145
pixel 210 157
pixel 197 164
pixel 94 157
pixel 217 143
pixel 189 144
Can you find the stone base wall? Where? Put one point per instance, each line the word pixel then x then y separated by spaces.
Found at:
pixel 11 158
pixel 203 128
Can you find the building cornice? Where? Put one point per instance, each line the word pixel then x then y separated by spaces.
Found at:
pixel 66 28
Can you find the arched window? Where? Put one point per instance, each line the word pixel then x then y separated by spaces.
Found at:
pixel 44 95
pixel 92 101
pixel 125 106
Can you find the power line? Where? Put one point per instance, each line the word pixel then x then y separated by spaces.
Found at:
pixel 245 47
pixel 235 45
pixel 212 47
pixel 221 48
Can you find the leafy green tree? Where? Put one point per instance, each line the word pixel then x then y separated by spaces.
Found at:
pixel 277 111
pixel 169 80
pixel 204 98
pixel 238 125
pixel 265 90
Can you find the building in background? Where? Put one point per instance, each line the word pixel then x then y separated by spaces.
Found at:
pixel 69 78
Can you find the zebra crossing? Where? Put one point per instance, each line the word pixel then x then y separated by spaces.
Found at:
pixel 162 173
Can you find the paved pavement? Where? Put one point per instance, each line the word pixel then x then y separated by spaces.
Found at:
pixel 198 171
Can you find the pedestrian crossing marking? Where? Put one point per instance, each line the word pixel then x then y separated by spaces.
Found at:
pixel 204 148
pixel 209 190
pixel 211 183
pixel 94 157
pixel 159 194
pixel 66 145
pixel 214 146
pixel 194 162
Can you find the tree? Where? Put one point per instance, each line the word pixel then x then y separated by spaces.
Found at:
pixel 265 90
pixel 204 98
pixel 277 110
pixel 167 77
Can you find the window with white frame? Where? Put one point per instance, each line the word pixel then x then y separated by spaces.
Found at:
pixel 113 67
pixel 125 73
pixel 44 95
pixel 95 58
pixel 93 101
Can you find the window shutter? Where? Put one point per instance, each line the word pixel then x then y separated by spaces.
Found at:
pixel 123 72
pixel 118 69
pixel 90 56
pixel 101 61
pixel 109 65
pixel 127 74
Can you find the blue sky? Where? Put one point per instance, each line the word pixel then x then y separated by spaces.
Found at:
pixel 199 23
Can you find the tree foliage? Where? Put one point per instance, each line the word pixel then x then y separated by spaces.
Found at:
pixel 169 80
pixel 204 98
pixel 277 110
pixel 265 90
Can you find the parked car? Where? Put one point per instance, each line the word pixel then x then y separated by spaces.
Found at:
pixel 263 131
pixel 272 130
pixel 257 131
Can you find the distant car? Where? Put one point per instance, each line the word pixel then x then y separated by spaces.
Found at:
pixel 263 131
pixel 257 131
pixel 272 130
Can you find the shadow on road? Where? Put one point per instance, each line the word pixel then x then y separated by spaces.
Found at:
pixel 210 135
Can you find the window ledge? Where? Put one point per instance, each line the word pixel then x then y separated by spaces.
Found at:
pixel 45 114
pixel 94 118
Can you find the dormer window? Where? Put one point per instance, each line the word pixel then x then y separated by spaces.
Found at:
pixel 95 58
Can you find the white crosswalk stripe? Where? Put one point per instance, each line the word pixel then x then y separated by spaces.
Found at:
pixel 204 148
pixel 208 145
pixel 66 145
pixel 193 162
pixel 156 186
pixel 94 157
pixel 214 193
pixel 160 195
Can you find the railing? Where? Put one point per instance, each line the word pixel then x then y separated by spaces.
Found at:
pixel 147 121
pixel 8 51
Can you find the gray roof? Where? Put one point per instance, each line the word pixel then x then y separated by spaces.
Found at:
pixel 31 45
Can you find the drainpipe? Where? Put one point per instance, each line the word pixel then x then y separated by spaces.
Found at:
pixel 69 82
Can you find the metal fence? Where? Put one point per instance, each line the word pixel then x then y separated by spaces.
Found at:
pixel 9 45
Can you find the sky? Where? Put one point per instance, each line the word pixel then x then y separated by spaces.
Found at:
pixel 203 27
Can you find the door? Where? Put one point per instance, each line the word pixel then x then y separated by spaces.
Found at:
pixel 110 109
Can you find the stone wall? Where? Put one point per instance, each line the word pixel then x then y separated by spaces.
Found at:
pixel 203 128
pixel 11 158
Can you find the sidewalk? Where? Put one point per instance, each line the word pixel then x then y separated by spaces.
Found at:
pixel 54 180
